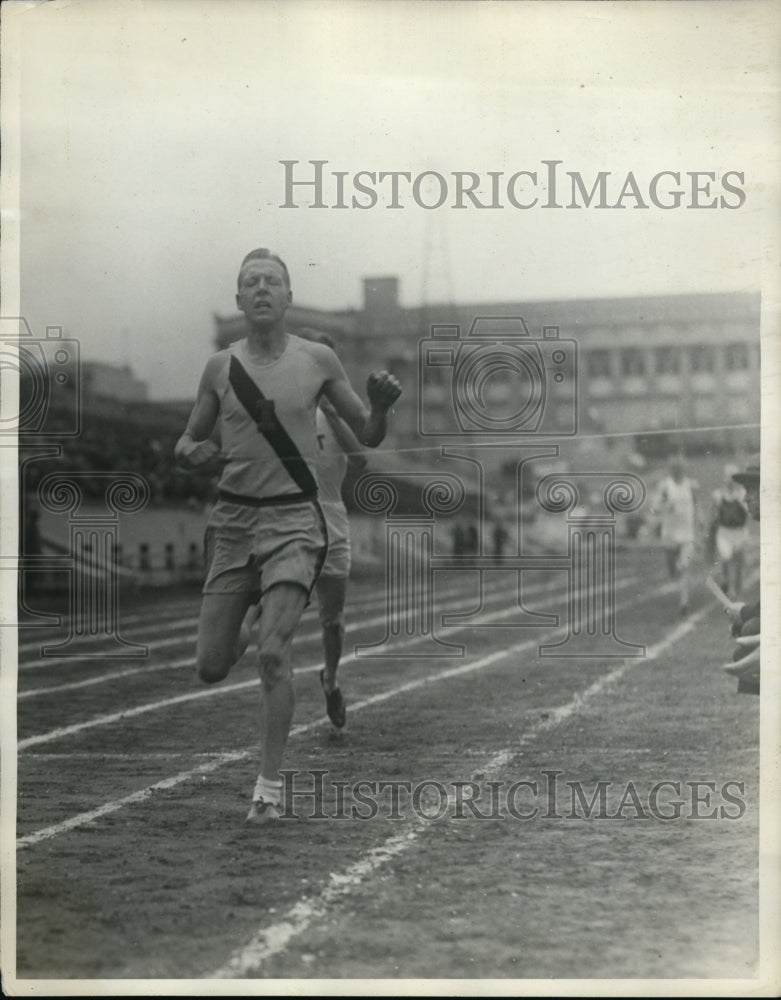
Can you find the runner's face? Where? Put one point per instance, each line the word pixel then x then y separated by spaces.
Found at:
pixel 263 294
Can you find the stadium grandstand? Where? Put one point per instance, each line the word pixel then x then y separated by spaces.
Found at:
pixel 647 366
pixel 650 376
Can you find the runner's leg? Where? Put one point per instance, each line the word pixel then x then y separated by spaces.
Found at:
pixel 738 572
pixel 282 607
pixel 331 594
pixel 245 632
pixel 685 553
pixel 218 634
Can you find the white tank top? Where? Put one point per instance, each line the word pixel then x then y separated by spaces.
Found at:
pixel 293 382
pixel 331 461
pixel 677 510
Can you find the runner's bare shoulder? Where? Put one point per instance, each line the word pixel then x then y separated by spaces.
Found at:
pixel 214 371
pixel 323 356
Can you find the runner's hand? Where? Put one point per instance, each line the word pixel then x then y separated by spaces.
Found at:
pixel 196 454
pixel 732 611
pixel 383 390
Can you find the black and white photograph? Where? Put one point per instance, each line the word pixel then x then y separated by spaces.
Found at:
pixel 389 394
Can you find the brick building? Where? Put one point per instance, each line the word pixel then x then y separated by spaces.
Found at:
pixel 653 363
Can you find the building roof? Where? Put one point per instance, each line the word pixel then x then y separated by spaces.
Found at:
pixel 570 315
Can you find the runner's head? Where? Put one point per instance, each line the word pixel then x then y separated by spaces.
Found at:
pixel 749 480
pixel 264 254
pixel 263 290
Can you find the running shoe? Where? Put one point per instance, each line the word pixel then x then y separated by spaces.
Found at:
pixel 334 704
pixel 261 812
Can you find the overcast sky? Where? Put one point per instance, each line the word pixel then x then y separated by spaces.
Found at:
pixel 152 134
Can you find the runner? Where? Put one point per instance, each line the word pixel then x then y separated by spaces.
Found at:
pixel 729 530
pixel 269 538
pixel 338 448
pixel 675 503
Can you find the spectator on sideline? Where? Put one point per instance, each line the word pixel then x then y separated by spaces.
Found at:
pixel 745 616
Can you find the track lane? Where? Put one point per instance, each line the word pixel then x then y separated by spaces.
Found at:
pixel 428 724
pixel 372 684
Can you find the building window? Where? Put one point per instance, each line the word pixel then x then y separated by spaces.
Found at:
pixel 633 361
pixel 736 357
pixel 702 358
pixel 598 364
pixel 667 360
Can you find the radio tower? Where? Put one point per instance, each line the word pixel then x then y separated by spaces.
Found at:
pixel 436 265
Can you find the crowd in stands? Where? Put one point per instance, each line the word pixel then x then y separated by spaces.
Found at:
pixel 141 441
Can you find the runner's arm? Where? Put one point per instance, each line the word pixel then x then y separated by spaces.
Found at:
pixel 369 426
pixel 199 445
pixel 696 513
pixel 348 442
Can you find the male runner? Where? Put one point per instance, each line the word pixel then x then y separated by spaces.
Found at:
pixel 675 502
pixel 269 538
pixel 729 530
pixel 337 447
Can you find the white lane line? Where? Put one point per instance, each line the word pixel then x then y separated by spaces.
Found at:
pixel 93 650
pixel 25 643
pixel 189 661
pixel 171 755
pixel 100 755
pixel 101 655
pixel 271 941
pixel 109 807
pixel 115 675
pixel 275 939
pixel 129 713
pixel 125 622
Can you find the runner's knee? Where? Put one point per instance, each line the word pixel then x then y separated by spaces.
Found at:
pixel 273 668
pixel 211 669
pixel 332 621
pixel 218 635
